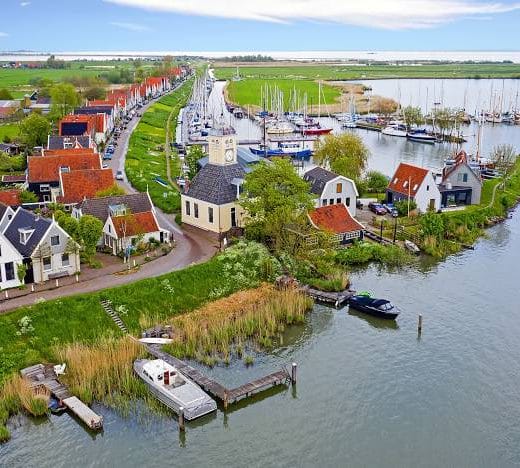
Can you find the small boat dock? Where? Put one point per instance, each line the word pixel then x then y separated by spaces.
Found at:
pixel 41 375
pixel 215 389
pixel 335 298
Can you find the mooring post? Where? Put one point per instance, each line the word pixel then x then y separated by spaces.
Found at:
pixel 6 294
pixel 32 287
pixel 225 399
pixel 181 419
pixel 57 283
pixel 293 373
pixel 77 278
pixel 134 262
pixel 419 325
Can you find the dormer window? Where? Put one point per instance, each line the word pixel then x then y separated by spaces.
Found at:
pixel 25 235
pixel 64 169
pixel 415 187
pixel 396 180
pixel 405 184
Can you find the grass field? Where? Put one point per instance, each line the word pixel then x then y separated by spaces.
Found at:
pixel 146 158
pixel 346 72
pixel 9 130
pixel 248 92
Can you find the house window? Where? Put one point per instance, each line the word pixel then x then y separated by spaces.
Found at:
pixel 233 217
pixel 210 214
pixel 415 187
pixel 196 210
pixel 338 200
pixel 65 260
pixel 405 184
pixel 46 198
pixel 347 201
pixel 25 235
pixel 188 208
pixel 324 202
pixel 462 177
pixel 0 250
pixel 339 188
pixel 55 240
pixel 427 188
pixel 45 188
pixel 331 201
pixel 47 265
pixel 9 271
pixel 395 180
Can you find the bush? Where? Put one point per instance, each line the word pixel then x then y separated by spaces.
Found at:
pixel 402 207
pixel 364 252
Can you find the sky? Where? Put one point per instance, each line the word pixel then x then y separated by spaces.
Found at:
pixel 257 25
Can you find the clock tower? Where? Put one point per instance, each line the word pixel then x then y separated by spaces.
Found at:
pixel 222 146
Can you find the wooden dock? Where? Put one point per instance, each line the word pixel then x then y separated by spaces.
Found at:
pixel 215 389
pixel 41 375
pixel 335 298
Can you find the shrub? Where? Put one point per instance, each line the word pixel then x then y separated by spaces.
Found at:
pixel 402 207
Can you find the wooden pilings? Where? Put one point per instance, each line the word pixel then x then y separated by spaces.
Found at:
pixel 182 426
pixel 419 325
pixel 293 372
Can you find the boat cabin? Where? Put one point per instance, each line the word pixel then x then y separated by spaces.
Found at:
pixel 159 372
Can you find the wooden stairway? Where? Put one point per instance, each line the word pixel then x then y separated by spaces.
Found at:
pixel 107 306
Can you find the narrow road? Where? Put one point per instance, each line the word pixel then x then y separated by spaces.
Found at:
pixel 192 246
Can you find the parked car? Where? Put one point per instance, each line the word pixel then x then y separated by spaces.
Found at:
pixel 391 210
pixel 359 205
pixel 119 175
pixel 104 166
pixel 107 156
pixel 376 208
pixel 110 148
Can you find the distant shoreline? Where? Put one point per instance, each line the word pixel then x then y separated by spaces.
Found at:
pixel 319 56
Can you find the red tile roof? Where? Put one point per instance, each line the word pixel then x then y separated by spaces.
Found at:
pixel 134 224
pixel 460 159
pixel 407 179
pixel 47 168
pixel 10 197
pixel 68 151
pixel 334 218
pixel 77 185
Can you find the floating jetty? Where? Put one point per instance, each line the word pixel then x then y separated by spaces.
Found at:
pixel 215 389
pixel 335 298
pixel 41 375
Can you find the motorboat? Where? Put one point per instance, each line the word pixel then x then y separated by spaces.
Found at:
pixel 410 246
pixel 381 308
pixel 174 389
pixel 279 128
pixel 395 130
pixel 421 137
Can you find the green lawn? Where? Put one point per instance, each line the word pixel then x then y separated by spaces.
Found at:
pixel 146 159
pixel 249 91
pixel 9 130
pixel 346 72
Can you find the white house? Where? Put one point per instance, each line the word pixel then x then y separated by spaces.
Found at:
pixel 47 250
pixel 414 183
pixel 124 230
pixel 6 214
pixel 10 259
pixel 332 189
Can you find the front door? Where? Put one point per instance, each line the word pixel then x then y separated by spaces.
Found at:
pixel 29 276
pixel 432 204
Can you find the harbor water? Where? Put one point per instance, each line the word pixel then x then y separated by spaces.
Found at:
pixel 369 392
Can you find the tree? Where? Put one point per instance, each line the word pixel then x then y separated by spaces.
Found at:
pixel 90 229
pixel 21 272
pixel 432 224
pixel 94 92
pixel 34 130
pixel 345 154
pixel 27 196
pixel 412 116
pixel 376 181
pixel 110 191
pixel 5 94
pixel 274 197
pixel 385 106
pixel 504 158
pixel 64 99
pixel 69 224
pixel 192 157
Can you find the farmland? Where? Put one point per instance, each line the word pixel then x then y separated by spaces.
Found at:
pixel 331 72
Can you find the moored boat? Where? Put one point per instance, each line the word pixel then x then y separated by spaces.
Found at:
pixel 173 389
pixel 409 245
pixel 394 130
pixel 421 137
pixel 381 308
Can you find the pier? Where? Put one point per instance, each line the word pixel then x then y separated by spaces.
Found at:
pixel 335 298
pixel 41 375
pixel 215 389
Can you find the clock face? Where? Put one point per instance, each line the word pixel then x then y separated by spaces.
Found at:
pixel 229 155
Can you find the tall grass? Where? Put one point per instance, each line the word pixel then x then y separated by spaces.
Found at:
pixel 95 371
pixel 256 315
pixel 16 394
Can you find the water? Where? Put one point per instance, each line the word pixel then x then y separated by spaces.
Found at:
pixel 369 393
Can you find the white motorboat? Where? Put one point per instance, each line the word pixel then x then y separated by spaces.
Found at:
pixel 174 389
pixel 280 128
pixel 394 130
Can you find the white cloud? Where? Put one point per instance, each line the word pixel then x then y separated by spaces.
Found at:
pixel 130 26
pixel 3 34
pixel 387 14
pixel 24 4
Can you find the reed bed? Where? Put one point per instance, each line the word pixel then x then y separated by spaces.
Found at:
pixel 256 315
pixel 103 369
pixel 16 394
